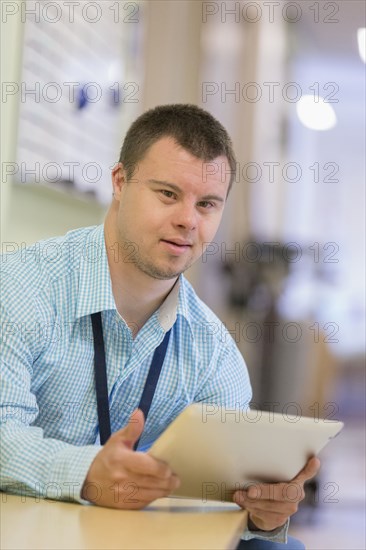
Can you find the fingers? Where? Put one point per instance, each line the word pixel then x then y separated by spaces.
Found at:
pixel 128 496
pixel 273 492
pixel 120 477
pixel 286 508
pixel 270 513
pixel 135 492
pixel 144 464
pixel 149 482
pixel 135 462
pixel 292 491
pixel 270 504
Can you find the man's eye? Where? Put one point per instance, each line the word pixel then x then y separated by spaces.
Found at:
pixel 166 193
pixel 206 204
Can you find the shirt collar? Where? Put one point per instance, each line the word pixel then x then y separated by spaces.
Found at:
pixel 95 286
pixel 182 305
pixel 174 304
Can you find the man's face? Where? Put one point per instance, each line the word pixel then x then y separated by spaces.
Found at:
pixel 170 210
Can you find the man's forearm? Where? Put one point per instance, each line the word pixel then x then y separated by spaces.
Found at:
pixel 43 467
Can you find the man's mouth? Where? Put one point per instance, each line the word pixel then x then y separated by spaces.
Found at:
pixel 178 242
pixel 176 246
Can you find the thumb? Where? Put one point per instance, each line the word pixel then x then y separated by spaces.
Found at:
pixel 131 433
pixel 310 470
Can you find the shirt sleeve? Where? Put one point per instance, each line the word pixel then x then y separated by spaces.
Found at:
pixel 227 381
pixel 277 535
pixel 30 463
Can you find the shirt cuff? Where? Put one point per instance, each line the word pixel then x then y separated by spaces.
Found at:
pixel 276 535
pixel 69 471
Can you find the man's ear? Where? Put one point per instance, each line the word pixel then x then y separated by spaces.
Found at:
pixel 118 180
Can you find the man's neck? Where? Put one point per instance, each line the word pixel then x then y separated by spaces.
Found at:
pixel 137 295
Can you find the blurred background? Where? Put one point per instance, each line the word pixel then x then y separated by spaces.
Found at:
pixel 287 269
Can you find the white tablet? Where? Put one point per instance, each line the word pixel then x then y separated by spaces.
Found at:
pixel 216 451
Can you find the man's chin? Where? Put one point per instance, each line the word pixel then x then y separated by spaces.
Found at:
pixel 164 273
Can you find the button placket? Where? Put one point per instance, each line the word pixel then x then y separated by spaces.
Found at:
pixel 141 349
pixel 120 352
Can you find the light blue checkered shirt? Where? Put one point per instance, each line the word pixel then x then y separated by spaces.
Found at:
pixel 49 422
pixel 49 419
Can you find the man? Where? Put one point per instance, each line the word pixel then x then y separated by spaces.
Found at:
pixel 166 208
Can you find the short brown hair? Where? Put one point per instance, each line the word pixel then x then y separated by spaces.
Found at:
pixel 194 129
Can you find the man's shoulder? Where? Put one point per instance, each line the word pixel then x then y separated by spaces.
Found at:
pixel 197 308
pixel 46 260
pixel 202 319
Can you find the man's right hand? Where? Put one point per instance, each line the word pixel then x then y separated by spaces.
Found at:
pixel 120 477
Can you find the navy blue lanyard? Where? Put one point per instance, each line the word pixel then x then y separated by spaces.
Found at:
pixel 101 385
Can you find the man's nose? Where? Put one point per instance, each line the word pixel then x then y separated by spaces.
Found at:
pixel 186 216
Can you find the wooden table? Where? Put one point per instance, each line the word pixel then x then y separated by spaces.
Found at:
pixel 168 523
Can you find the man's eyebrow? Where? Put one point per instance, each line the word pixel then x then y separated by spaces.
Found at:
pixel 177 189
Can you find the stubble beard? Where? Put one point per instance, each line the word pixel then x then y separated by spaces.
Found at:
pixel 150 268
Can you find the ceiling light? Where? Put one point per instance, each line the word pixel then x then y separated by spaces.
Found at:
pixel 361 39
pixel 315 113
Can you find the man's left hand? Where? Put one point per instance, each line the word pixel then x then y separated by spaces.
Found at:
pixel 271 504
